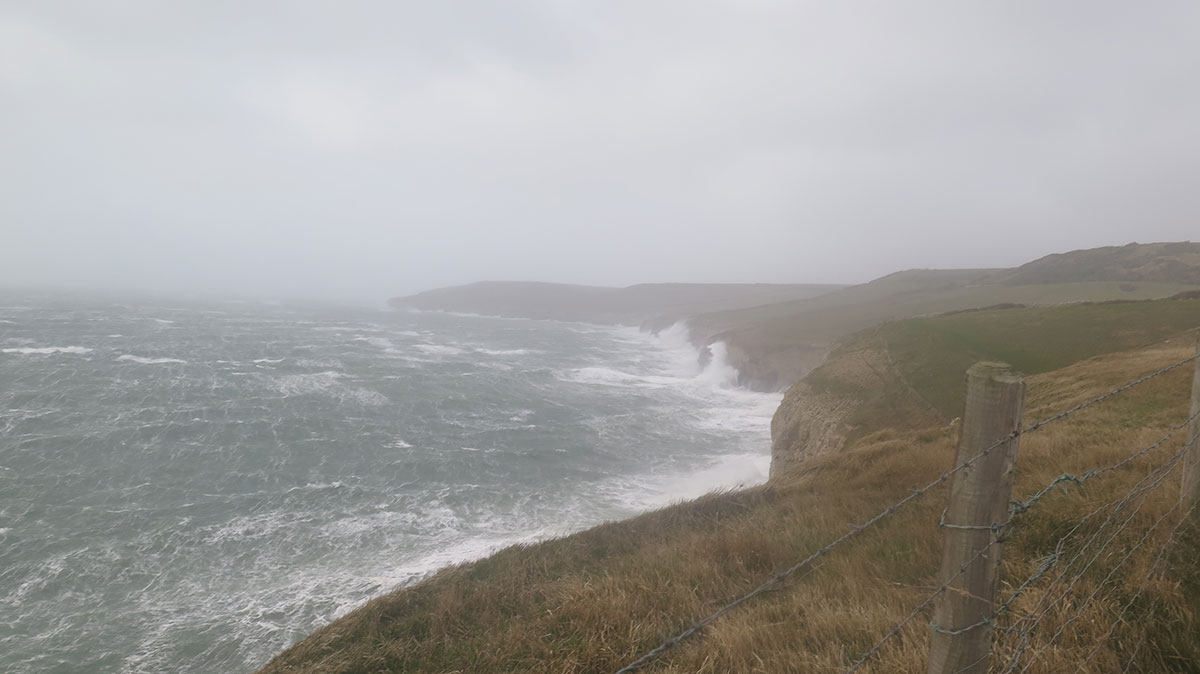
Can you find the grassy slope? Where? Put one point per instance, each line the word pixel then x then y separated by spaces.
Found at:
pixel 932 353
pixel 1176 262
pixel 929 355
pixel 791 337
pixel 593 601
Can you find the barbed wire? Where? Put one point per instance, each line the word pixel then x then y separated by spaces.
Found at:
pixel 1154 567
pixel 1117 391
pixel 1079 608
pixel 1018 507
pixel 1044 565
pixel 1141 489
pixel 885 513
pixel 922 605
pixel 1078 611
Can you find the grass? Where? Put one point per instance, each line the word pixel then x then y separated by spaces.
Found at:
pixel 789 339
pixel 932 353
pixel 929 355
pixel 596 600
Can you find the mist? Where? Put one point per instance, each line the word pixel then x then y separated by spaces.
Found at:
pixel 364 149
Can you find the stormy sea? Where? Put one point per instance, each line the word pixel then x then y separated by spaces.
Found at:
pixel 193 486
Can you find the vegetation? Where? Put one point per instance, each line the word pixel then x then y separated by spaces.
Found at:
pixel 596 600
pixel 787 340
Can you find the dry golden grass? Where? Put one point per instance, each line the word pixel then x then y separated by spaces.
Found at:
pixel 594 601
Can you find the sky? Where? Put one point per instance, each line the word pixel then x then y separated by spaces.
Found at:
pixel 368 149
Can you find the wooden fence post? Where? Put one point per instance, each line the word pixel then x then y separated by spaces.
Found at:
pixel 979 499
pixel 1191 458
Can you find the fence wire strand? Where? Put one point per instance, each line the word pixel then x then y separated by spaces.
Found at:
pixel 1051 598
pixel 885 513
pixel 1045 565
pixel 1154 568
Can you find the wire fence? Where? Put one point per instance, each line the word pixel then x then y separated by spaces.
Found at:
pixel 1075 552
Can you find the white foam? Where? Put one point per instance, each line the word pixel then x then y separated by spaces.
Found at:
pixel 163 321
pixel 607 376
pixel 269 361
pixel 328 383
pixel 317 486
pixel 47 350
pixel 718 371
pixel 504 352
pixel 399 444
pixel 298 384
pixel 440 349
pixel 727 472
pixel 150 361
pixel 319 362
pixel 379 342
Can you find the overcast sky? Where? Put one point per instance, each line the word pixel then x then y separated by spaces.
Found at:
pixel 365 149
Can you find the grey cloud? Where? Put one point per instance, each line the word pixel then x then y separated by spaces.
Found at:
pixel 368 148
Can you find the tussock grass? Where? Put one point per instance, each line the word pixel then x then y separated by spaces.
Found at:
pixel 594 601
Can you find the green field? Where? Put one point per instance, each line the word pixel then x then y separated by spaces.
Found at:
pixel 932 353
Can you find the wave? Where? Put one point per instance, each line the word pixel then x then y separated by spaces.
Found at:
pixel 504 352
pixel 440 349
pixel 150 361
pixel 378 342
pixel 607 376
pixel 328 383
pixel 47 350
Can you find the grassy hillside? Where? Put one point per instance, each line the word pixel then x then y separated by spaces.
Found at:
pixel 782 342
pixel 778 333
pixel 932 353
pixel 596 600
pixel 1164 262
pixel 925 358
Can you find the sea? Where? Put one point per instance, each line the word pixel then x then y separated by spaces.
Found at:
pixel 193 486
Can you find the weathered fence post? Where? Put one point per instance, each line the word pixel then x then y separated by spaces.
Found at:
pixel 1191 458
pixel 979 495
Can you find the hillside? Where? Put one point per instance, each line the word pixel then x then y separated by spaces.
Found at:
pixel 778 333
pixel 908 373
pixel 633 305
pixel 594 601
pixel 1152 262
pixel 774 346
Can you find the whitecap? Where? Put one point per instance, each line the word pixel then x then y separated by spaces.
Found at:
pixel 607 376
pixel 47 350
pixel 504 352
pixel 378 342
pixel 150 361
pixel 294 384
pixel 440 349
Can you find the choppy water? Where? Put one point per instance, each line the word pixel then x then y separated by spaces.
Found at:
pixel 192 488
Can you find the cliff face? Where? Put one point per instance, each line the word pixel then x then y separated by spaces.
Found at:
pixel 807 424
pixel 857 391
